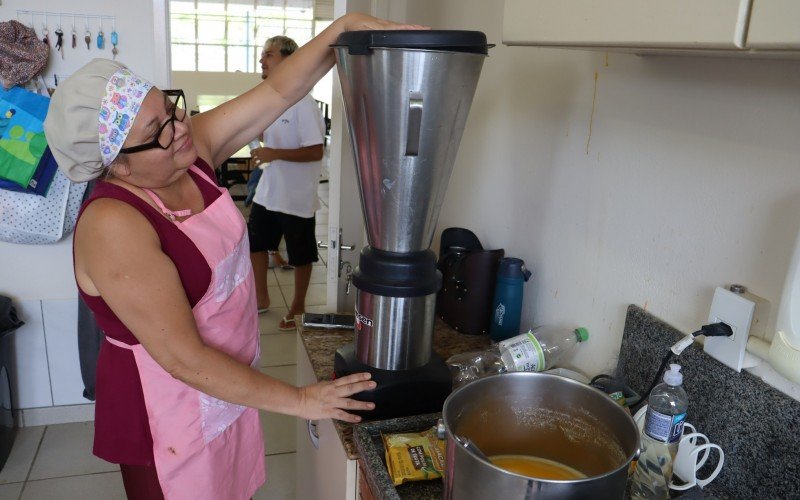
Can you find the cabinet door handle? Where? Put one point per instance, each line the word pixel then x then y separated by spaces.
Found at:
pixel 313 433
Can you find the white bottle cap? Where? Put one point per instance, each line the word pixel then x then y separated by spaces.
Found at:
pixel 673 376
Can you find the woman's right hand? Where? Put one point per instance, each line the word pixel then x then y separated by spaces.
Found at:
pixel 356 21
pixel 330 399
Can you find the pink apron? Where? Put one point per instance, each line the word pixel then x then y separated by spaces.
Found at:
pixel 205 448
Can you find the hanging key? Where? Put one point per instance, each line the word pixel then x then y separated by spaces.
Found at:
pixel 348 270
pixel 60 41
pixel 114 42
pixel 342 265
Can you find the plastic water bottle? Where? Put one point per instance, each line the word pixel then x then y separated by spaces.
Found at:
pixel 663 428
pixel 534 351
pixel 255 144
pixel 507 303
pixel 539 349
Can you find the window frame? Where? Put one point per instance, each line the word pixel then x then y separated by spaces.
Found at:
pixel 252 43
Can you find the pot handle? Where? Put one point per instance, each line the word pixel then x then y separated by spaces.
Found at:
pixel 441 431
pixel 471 447
pixel 635 460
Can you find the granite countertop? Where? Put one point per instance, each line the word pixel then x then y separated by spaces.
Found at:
pixel 371 452
pixel 754 423
pixel 321 345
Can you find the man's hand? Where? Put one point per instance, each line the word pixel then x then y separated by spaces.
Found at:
pixel 263 155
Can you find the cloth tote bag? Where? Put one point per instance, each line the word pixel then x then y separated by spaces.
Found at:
pixel 22 140
pixel 40 182
pixel 39 220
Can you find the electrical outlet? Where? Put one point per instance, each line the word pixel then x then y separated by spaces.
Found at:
pixel 736 311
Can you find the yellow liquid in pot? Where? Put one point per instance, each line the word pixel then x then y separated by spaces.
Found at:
pixel 536 467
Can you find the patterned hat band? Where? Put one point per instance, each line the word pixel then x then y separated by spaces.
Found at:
pixel 122 101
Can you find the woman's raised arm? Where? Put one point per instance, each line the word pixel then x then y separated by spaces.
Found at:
pixel 222 131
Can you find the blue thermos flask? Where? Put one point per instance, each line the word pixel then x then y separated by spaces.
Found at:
pixel 507 303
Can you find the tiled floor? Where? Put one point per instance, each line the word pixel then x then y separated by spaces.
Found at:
pixel 56 461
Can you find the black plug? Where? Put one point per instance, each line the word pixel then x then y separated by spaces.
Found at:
pixel 716 330
pixel 712 330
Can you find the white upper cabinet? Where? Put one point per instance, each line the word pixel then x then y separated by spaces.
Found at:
pixel 686 24
pixel 738 27
pixel 774 25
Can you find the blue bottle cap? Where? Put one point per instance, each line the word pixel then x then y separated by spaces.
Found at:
pixel 513 268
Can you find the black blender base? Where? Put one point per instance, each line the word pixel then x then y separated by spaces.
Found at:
pixel 400 393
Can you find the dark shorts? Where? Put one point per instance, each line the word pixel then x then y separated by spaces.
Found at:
pixel 265 229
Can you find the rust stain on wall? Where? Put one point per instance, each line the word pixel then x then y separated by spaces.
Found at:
pixel 591 117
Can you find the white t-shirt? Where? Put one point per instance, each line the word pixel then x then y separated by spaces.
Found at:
pixel 287 186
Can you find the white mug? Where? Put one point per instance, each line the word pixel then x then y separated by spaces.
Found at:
pixel 687 462
pixel 693 452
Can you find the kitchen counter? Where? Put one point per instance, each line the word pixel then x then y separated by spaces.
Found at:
pixel 321 345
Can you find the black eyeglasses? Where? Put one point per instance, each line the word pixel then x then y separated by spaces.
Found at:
pixel 166 134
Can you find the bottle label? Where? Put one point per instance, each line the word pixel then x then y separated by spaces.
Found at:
pixel 526 353
pixel 665 428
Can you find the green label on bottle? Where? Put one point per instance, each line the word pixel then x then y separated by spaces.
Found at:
pixel 526 353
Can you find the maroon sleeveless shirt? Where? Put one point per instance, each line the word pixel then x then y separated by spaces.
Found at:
pixel 122 433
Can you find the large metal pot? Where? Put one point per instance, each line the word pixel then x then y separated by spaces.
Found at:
pixel 540 415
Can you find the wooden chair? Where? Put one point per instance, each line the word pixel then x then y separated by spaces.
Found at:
pixel 234 171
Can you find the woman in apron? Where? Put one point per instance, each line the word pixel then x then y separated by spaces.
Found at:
pixel 161 257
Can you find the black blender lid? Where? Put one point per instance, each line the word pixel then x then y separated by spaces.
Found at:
pixel 360 42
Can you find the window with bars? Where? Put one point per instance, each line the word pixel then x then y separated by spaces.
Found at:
pixel 228 35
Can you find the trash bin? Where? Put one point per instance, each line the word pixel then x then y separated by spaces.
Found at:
pixel 8 431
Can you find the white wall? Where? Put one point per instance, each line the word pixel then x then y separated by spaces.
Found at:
pixel 622 179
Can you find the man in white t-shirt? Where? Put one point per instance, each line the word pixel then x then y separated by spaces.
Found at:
pixel 286 196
